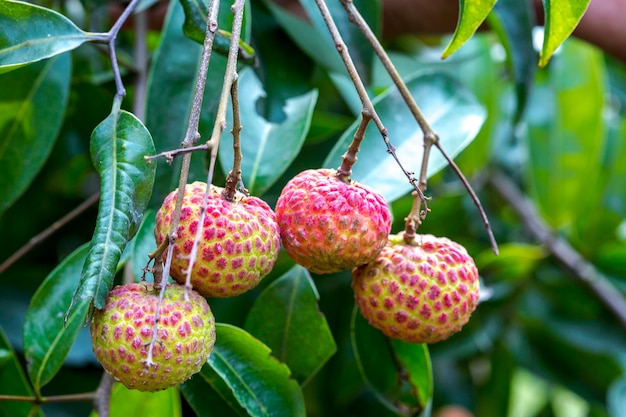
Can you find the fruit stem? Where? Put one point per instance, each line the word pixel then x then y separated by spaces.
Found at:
pixel 368 107
pixel 234 176
pixel 349 158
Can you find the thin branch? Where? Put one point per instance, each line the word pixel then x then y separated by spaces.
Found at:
pixel 560 248
pixel 475 199
pixel 349 158
pixel 102 397
pixel 191 137
pixel 230 77
pixel 86 396
pixel 368 107
pixel 234 176
pixel 170 155
pixel 36 240
pixel 140 58
pixel 430 136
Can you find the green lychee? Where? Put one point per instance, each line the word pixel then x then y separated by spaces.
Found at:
pixel 328 225
pixel 121 334
pixel 239 244
pixel 420 292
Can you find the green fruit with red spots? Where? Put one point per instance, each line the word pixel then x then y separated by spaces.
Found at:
pixel 422 291
pixel 238 245
pixel 121 334
pixel 328 224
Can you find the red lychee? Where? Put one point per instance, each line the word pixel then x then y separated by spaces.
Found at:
pixel 420 292
pixel 328 225
pixel 239 244
pixel 121 334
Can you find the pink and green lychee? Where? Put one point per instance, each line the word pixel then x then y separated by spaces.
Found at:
pixel 239 243
pixel 420 292
pixel 121 334
pixel 328 224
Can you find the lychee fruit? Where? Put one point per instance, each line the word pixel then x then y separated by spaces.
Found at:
pixel 122 332
pixel 328 224
pixel 239 243
pixel 423 291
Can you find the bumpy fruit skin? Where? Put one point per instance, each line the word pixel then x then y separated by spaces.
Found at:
pixel 240 240
pixel 122 331
pixel 422 292
pixel 328 225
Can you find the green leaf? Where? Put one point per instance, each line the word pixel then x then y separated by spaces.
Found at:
pixel 453 113
pixel 287 319
pixel 210 396
pixel 565 134
pixel 47 337
pixel 472 13
pixel 127 402
pixel 562 17
pixel 118 147
pixel 31 114
pixel 260 383
pixel 515 262
pixel 513 22
pixel 195 28
pixel 30 33
pixel 268 148
pixel 13 382
pixel 399 373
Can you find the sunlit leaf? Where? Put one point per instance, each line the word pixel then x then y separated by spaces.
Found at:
pixel 127 402
pixel 31 114
pixel 260 383
pixel 566 135
pixel 472 13
pixel 451 110
pixel 562 17
pixel 118 147
pixel 47 336
pixel 399 373
pixel 13 382
pixel 30 33
pixel 286 318
pixel 268 148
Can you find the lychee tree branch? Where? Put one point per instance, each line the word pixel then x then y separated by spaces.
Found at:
pixel 234 176
pixel 560 248
pixel 430 136
pixel 191 137
pixel 40 237
pixel 368 107
pixel 230 78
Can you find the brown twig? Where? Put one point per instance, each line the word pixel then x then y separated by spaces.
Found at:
pixel 430 136
pixel 86 396
pixel 234 176
pixel 559 247
pixel 230 76
pixel 349 158
pixel 102 397
pixel 191 136
pixel 368 107
pixel 36 240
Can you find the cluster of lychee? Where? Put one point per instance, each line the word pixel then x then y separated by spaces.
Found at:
pixel 420 290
